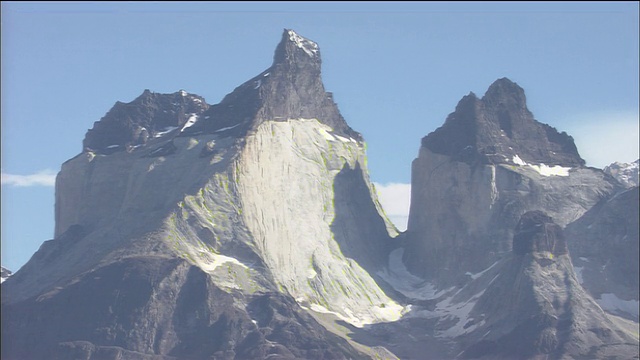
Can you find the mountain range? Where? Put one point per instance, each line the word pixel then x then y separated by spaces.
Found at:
pixel 250 229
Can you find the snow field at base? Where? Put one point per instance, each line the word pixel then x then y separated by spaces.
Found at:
pixel 414 287
pixel 543 169
pixel 612 303
pixel 578 271
pixel 409 285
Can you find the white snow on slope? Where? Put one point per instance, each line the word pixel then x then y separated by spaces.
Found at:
pixel 164 131
pixel 192 120
pixel 625 173
pixel 543 169
pixel 477 275
pixel 405 282
pixel 226 128
pixel 610 302
pixel 448 310
pixel 308 46
pixel 578 271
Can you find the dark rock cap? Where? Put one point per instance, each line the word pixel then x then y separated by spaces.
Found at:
pixel 499 127
pixel 537 232
pixel 135 122
pixel 291 88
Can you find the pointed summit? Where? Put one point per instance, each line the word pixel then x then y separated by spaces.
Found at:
pixel 500 129
pixel 291 88
pixel 294 47
pixel 506 92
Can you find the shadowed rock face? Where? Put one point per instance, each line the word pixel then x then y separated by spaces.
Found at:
pixel 499 126
pixel 134 123
pixel 604 246
pixel 160 308
pixel 534 307
pixel 537 232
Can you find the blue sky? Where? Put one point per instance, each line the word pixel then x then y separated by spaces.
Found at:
pixel 396 71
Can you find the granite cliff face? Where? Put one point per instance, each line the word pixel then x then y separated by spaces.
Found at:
pixel 193 231
pixel 477 174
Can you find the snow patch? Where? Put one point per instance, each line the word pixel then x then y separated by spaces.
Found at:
pixel 610 302
pixel 477 275
pixel 326 134
pixel 112 146
pixel 409 285
pixel 214 260
pixel 192 120
pixel 226 128
pixel 543 169
pixel 578 271
pixel 308 46
pixel 164 131
pixel 448 310
pixel 183 93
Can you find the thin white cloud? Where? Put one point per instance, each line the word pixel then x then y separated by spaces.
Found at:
pixel 41 178
pixel 604 138
pixel 395 199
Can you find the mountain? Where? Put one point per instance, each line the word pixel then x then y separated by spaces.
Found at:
pixel 249 229
pixel 534 306
pixel 185 230
pixel 5 273
pixel 485 261
pixel 625 173
pixel 478 173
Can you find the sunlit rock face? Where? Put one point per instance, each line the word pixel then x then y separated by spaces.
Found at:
pixel 476 175
pixel 189 230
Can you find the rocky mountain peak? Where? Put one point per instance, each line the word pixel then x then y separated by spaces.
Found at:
pixel 4 274
pixel 506 93
pixel 625 173
pixel 291 88
pixel 500 129
pixel 295 49
pixel 134 123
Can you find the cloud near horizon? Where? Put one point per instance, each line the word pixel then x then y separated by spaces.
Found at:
pixel 607 137
pixel 41 178
pixel 395 199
